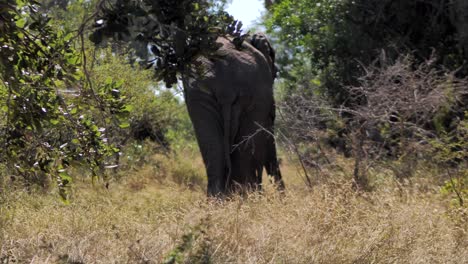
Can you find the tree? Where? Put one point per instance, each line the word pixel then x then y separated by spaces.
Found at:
pixel 44 130
pixel 334 39
pixel 386 75
pixel 175 31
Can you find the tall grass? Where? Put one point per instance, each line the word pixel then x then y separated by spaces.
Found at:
pixel 162 221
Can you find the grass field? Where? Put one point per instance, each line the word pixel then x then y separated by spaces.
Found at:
pixel 161 215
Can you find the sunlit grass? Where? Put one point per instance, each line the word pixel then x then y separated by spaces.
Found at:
pixel 147 217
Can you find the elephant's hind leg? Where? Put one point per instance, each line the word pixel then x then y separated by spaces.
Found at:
pixel 207 121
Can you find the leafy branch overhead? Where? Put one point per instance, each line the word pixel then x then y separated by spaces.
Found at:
pixel 47 121
pixel 165 33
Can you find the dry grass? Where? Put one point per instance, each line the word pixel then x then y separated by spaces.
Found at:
pixel 146 220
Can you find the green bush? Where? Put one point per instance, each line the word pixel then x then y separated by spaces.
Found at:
pixel 450 151
pixel 327 42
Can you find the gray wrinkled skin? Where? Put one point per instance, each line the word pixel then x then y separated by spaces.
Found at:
pixel 229 97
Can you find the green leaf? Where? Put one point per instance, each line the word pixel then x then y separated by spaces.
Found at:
pixel 109 80
pixel 128 108
pixel 316 82
pixel 124 125
pixel 21 22
pixel 65 178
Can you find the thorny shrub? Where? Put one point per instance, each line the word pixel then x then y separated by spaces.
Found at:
pixel 402 106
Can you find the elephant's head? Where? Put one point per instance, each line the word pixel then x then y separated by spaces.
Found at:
pixel 260 42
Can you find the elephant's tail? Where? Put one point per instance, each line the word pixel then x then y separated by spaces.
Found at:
pixel 272 164
pixel 227 141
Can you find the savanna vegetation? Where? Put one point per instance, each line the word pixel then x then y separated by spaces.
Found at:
pixel 99 163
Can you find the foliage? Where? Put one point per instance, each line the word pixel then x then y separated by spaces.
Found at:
pixel 333 39
pixel 311 32
pixel 64 108
pixel 399 110
pixel 152 111
pixel 175 31
pixel 450 151
pixel 146 114
pixel 48 106
pixel 67 15
pixel 346 82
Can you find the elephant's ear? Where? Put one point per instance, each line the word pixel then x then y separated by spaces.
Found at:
pixel 261 43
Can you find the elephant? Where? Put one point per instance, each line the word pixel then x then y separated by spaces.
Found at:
pixel 229 98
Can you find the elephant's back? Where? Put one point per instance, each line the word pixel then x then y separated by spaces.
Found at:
pixel 246 63
pixel 245 71
pixel 230 73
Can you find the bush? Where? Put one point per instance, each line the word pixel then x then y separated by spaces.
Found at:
pixel 330 42
pixel 400 106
